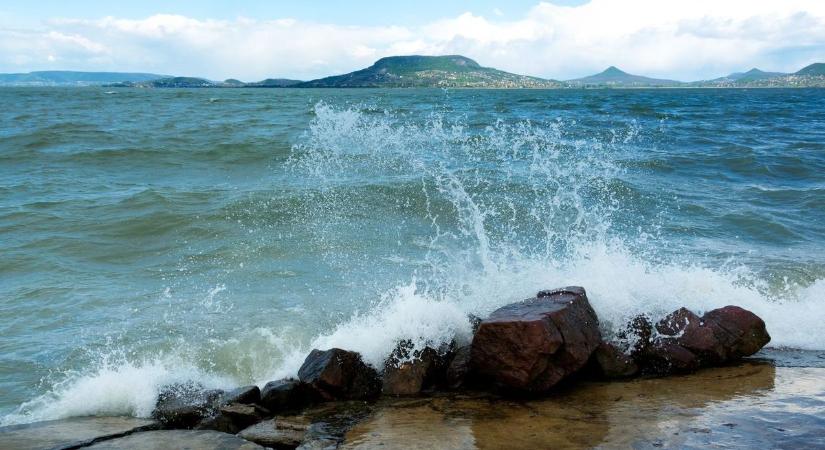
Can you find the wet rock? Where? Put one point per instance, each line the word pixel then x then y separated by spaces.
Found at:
pixel 611 362
pixel 408 371
pixel 475 322
pixel 279 433
pixel 218 422
pixel 533 344
pixel 340 374
pixel 184 405
pixel 70 433
pixel 178 439
pixel 284 395
pixel 745 332
pixel 459 368
pixel 638 334
pixel 719 336
pixel 245 395
pixel 664 357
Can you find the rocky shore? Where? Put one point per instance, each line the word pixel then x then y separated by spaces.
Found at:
pixel 527 351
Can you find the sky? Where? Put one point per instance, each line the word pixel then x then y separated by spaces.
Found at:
pixel 558 39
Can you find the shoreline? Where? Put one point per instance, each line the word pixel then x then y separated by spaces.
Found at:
pixel 751 404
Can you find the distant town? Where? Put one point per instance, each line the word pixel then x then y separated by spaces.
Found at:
pixel 452 71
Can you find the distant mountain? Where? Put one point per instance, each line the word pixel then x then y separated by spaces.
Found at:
pixel 72 78
pixel 274 83
pixel 430 71
pixel 753 75
pixel 613 76
pixel 815 69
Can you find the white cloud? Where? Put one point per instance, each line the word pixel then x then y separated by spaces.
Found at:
pixel 675 39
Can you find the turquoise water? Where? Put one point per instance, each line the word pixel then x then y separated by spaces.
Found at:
pixel 153 236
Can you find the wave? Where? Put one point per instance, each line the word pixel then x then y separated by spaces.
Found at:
pixel 497 212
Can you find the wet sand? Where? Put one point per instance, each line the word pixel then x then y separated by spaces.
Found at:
pixel 751 405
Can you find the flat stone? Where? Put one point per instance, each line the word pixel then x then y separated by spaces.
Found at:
pixel 280 432
pixel 178 440
pixel 69 433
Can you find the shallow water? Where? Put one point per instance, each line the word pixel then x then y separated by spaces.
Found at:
pixel 749 406
pixel 153 236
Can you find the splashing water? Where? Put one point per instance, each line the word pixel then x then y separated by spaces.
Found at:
pixel 414 222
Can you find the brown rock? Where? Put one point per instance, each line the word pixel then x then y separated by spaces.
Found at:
pixel 533 344
pixel 744 332
pixel 664 357
pixel 408 372
pixel 340 374
pixel 611 362
pixel 702 338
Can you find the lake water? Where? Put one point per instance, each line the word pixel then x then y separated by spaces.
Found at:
pixel 154 236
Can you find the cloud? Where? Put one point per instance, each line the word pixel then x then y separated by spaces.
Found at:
pixel 674 39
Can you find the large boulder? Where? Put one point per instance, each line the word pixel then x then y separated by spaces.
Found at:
pixel 745 331
pixel 184 405
pixel 340 374
pixel 533 344
pixel 246 395
pixel 408 371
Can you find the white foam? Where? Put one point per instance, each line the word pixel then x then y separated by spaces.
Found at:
pixel 117 389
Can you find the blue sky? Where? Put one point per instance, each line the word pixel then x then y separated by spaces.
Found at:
pixel 562 39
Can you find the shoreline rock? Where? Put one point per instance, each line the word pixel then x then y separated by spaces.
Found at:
pixel 534 344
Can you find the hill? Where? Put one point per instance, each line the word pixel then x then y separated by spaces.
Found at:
pixel 753 75
pixel 614 77
pixel 73 78
pixel 814 70
pixel 430 71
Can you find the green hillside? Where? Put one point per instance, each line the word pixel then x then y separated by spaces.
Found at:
pixel 430 71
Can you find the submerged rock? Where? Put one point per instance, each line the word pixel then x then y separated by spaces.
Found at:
pixel 284 395
pixel 286 432
pixel 184 405
pixel 533 344
pixel 340 374
pixel 611 362
pixel 408 372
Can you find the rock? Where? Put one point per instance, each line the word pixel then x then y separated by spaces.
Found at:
pixel 638 334
pixel 408 372
pixel 218 422
pixel 184 405
pixel 70 433
pixel 233 418
pixel 533 344
pixel 319 444
pixel 475 322
pixel 179 440
pixel 340 374
pixel 664 357
pixel 719 336
pixel 459 368
pixel 245 394
pixel 745 331
pixel 610 362
pixel 284 395
pixel 281 432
